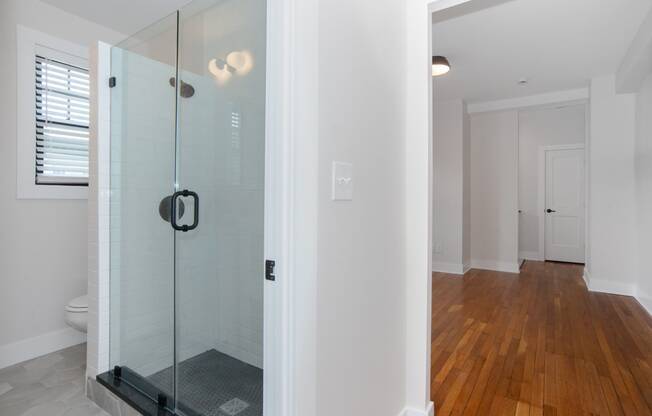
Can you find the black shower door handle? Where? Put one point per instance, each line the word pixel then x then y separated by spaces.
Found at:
pixel 173 217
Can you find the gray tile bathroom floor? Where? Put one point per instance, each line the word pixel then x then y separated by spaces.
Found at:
pixel 52 385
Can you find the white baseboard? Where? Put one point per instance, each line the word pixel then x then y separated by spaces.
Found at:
pixel 608 286
pixel 587 277
pixel 615 288
pixel 27 349
pixel 530 255
pixel 451 268
pixel 467 267
pixel 646 302
pixel 408 411
pixel 498 266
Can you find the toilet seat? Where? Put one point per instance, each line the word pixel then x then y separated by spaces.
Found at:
pixel 76 313
pixel 79 304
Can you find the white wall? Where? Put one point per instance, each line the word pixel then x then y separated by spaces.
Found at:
pixel 541 127
pixel 493 176
pixel 450 186
pixel 418 202
pixel 99 212
pixel 43 242
pixel 643 172
pixel 466 184
pixel 613 264
pixel 361 243
pixel 494 203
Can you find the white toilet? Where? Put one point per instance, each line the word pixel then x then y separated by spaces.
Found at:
pixel 77 313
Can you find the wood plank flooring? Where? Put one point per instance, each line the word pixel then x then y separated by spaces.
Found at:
pixel 538 343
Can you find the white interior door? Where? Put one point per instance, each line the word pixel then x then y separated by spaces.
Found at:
pixel 564 229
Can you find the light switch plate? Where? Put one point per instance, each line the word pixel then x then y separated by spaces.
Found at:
pixel 342 181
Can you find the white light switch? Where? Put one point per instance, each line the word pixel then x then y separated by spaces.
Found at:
pixel 342 181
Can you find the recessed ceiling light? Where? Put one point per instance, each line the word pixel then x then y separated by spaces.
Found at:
pixel 522 82
pixel 440 66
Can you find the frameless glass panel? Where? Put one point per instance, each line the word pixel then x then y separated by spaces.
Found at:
pixel 143 117
pixel 221 155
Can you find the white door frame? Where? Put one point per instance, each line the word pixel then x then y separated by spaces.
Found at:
pixel 517 168
pixel 275 330
pixel 419 122
pixel 291 179
pixel 419 192
pixel 277 338
pixel 541 190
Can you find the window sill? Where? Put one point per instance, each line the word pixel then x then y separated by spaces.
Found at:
pixel 33 191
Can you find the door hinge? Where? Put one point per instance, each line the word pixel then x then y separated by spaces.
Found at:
pixel 269 270
pixel 111 82
pixel 162 400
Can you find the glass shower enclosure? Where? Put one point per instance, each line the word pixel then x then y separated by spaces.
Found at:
pixel 187 205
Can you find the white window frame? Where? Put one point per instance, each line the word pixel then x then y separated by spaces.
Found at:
pixel 28 40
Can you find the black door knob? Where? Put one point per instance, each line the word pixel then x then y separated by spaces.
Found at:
pixel 550 210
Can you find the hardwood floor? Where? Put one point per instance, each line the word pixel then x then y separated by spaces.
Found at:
pixel 537 343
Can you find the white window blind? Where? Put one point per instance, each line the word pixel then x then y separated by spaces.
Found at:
pixel 62 122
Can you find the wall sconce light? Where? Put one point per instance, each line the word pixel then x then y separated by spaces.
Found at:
pixel 236 62
pixel 222 65
pixel 440 66
pixel 242 61
pixel 220 70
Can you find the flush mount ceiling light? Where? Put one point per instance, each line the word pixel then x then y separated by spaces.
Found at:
pixel 440 66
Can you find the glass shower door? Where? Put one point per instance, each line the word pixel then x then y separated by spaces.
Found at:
pixel 221 158
pixel 187 205
pixel 143 146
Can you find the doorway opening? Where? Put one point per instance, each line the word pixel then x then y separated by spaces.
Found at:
pixel 552 181
pixel 563 214
pixel 491 118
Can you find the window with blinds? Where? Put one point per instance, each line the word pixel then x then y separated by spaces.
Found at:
pixel 62 123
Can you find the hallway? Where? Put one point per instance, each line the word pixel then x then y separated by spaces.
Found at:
pixel 538 343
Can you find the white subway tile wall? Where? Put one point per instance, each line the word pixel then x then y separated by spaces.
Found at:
pixel 97 357
pixel 141 243
pixel 220 264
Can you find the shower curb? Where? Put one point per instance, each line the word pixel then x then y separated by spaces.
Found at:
pixel 120 399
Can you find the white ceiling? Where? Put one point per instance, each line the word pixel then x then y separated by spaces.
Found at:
pixel 555 44
pixel 124 16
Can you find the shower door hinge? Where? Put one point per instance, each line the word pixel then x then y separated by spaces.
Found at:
pixel 269 270
pixel 111 82
pixel 162 400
